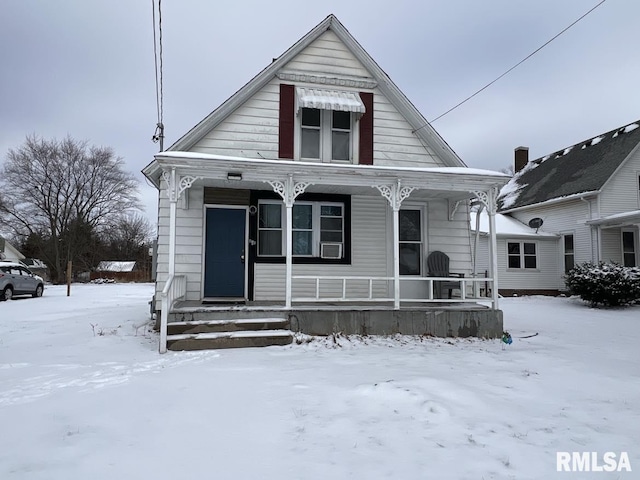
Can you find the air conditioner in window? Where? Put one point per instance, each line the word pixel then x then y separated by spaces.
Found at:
pixel 331 250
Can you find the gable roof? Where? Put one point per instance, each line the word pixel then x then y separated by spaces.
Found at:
pixel 578 169
pixel 421 127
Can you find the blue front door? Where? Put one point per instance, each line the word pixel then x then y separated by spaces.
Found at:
pixel 224 253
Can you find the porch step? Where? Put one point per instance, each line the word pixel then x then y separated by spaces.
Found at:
pixel 234 339
pixel 227 325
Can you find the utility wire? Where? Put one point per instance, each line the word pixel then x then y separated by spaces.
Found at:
pixel 157 58
pixel 512 68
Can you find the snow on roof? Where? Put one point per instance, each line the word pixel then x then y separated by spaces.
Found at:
pixel 107 266
pixel 506 226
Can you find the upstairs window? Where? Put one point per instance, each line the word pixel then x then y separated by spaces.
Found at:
pixel 326 124
pixel 522 255
pixel 326 135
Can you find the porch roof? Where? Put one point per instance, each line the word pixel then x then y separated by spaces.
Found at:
pixel 617 220
pixel 447 182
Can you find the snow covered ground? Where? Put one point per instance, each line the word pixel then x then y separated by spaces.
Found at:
pixel 85 395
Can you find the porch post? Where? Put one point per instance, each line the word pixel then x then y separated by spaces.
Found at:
pixel 489 200
pixel 170 178
pixel 288 190
pixel 395 195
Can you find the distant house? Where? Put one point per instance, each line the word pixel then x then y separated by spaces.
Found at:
pixel 587 195
pixel 318 184
pixel 127 271
pixel 9 252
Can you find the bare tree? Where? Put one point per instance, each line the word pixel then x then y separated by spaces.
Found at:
pixel 47 187
pixel 509 170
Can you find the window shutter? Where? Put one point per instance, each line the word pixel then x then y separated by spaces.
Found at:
pixel 286 121
pixel 366 130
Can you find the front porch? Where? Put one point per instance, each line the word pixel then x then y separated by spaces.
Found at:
pixel 381 225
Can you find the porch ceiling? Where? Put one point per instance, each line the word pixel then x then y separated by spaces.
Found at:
pixel 444 182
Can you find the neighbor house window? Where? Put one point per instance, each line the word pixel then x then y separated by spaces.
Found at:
pixel 326 135
pixel 628 249
pixel 521 255
pixel 313 223
pixel 569 253
pixel 410 247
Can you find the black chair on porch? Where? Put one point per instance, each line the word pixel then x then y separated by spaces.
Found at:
pixel 438 266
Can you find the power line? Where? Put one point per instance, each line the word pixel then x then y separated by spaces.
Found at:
pixel 512 68
pixel 158 135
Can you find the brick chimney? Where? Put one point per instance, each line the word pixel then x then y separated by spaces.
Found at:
pixel 521 158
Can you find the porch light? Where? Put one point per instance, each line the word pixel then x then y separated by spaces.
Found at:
pixel 234 176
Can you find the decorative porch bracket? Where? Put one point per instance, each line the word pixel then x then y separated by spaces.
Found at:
pixel 489 200
pixel 395 195
pixel 289 190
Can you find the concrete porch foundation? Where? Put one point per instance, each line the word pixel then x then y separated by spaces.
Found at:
pixel 440 320
pixel 439 323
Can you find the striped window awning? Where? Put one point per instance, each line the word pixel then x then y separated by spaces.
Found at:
pixel 329 100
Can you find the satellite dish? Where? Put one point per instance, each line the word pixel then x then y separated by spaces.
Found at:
pixel 536 223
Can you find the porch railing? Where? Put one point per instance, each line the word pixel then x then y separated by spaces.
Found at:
pixel 367 294
pixel 174 290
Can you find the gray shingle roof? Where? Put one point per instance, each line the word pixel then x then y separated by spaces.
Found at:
pixel 584 167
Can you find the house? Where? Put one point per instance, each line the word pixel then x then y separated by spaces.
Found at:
pixel 313 195
pixel 527 257
pixel 9 252
pixel 124 271
pixel 587 195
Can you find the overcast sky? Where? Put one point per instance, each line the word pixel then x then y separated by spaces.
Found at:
pixel 85 67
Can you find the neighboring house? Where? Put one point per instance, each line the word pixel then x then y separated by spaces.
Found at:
pixel 317 183
pixel 120 270
pixel 588 195
pixel 527 257
pixel 9 252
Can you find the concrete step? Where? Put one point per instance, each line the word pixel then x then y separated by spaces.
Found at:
pixel 227 325
pixel 238 339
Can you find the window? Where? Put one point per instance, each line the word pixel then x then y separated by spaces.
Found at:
pixel 326 135
pixel 410 237
pixel 313 223
pixel 569 254
pixel 521 255
pixel 628 249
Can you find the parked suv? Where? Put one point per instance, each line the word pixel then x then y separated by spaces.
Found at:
pixel 16 279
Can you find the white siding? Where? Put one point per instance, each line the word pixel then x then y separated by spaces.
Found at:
pixel 611 245
pixel 621 193
pixel 252 130
pixel 189 235
pixel 369 257
pixel 564 218
pixel 450 236
pixel 328 55
pixel 394 142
